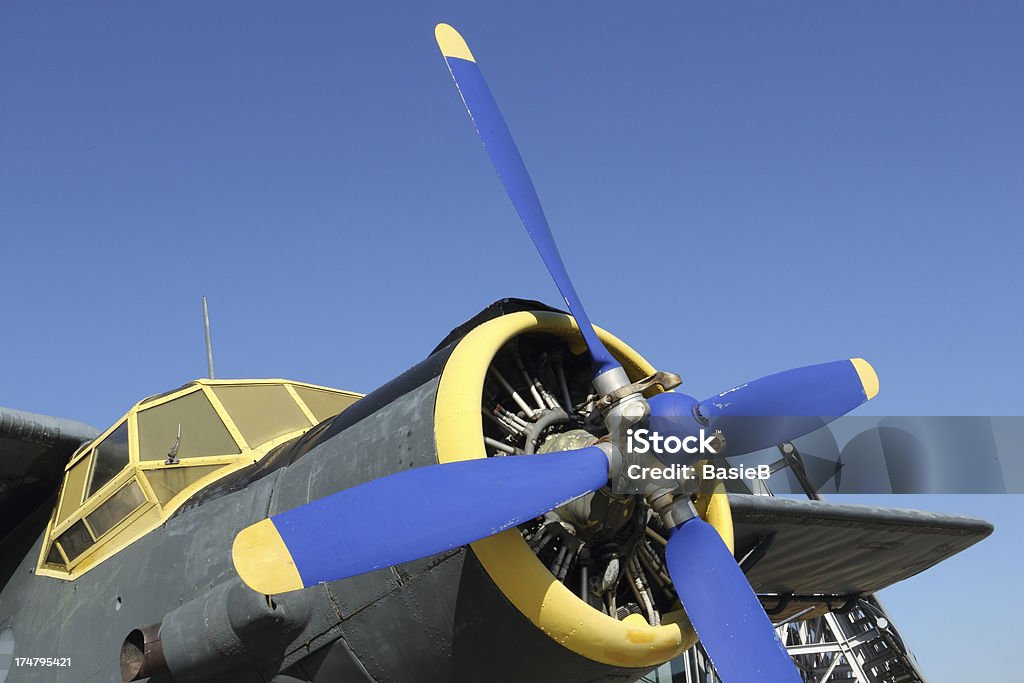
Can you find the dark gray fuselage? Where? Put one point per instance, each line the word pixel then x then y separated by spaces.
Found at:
pixel 436 619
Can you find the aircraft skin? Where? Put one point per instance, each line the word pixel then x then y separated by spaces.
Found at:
pixel 438 619
pixel 442 618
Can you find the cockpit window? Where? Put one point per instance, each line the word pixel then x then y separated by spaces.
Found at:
pixel 54 556
pixel 110 456
pixel 73 492
pixel 164 450
pixel 322 403
pixel 75 541
pixel 170 481
pixel 117 507
pixel 193 417
pixel 261 412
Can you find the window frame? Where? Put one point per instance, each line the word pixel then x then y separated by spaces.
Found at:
pixel 151 513
pixel 94 447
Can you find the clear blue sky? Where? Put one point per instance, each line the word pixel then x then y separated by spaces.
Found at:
pixel 785 183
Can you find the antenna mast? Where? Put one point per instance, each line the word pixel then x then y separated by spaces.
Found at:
pixel 209 344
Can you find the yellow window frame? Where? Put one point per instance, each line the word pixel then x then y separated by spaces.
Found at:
pixel 151 513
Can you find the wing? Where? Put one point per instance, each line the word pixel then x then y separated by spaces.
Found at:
pixel 820 555
pixel 33 452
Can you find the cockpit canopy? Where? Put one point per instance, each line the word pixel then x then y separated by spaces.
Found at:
pixel 130 479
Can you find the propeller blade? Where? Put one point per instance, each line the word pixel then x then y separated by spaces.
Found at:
pixel 505 158
pixel 409 515
pixel 771 410
pixel 788 404
pixel 728 618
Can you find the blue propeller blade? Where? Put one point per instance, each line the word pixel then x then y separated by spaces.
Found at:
pixel 773 409
pixel 409 515
pixel 505 157
pixel 727 616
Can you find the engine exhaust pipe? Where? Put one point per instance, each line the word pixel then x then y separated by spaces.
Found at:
pixel 226 629
pixel 142 654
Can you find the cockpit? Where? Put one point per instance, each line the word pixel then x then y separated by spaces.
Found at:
pixel 166 448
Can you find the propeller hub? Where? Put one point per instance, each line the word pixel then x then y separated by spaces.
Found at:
pixel 611 381
pixel 674 510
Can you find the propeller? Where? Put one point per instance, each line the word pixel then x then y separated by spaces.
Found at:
pixel 771 410
pixel 725 612
pixel 428 510
pixel 421 512
pixel 507 161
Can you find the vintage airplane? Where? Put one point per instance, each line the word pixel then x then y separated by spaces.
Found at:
pixel 458 523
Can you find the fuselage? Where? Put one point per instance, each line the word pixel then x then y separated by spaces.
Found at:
pixel 442 618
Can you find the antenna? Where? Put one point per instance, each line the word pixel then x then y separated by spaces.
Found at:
pixel 209 344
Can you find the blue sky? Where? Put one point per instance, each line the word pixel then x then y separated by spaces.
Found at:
pixel 736 189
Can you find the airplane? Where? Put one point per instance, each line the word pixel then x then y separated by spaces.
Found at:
pixel 463 522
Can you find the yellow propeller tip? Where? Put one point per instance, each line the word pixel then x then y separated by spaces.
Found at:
pixel 868 377
pixel 262 560
pixel 451 43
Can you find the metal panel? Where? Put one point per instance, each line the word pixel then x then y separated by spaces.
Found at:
pixel 827 548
